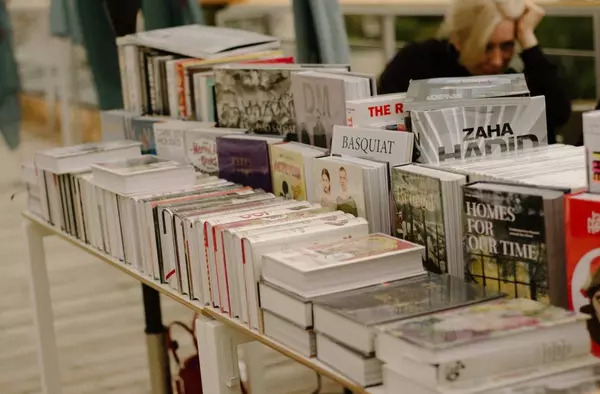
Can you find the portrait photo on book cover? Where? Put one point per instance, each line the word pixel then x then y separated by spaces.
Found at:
pixel 340 188
pixel 585 294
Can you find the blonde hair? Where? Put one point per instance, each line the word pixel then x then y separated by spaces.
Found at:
pixel 472 22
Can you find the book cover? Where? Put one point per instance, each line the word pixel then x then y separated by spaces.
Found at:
pixel 504 237
pixel 582 229
pixel 319 256
pixel 259 100
pixel 339 186
pixel 86 149
pixel 142 130
pixel 377 110
pixel 319 104
pixel 287 172
pixel 419 216
pixel 405 299
pixel 452 88
pixel 244 161
pixel 482 322
pixel 475 130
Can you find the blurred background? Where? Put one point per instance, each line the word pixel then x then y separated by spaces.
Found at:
pixel 376 30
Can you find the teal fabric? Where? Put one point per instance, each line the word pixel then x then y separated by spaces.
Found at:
pixel 10 109
pixel 87 22
pixel 320 32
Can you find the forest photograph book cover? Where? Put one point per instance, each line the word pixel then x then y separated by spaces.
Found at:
pixel 504 240
pixel 419 216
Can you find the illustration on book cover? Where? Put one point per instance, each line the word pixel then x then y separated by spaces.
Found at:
pixel 257 100
pixel 420 216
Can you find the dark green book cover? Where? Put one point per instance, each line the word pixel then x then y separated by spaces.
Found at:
pixel 419 216
pixel 505 242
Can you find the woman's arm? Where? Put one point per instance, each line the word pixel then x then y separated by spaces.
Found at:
pixel 543 77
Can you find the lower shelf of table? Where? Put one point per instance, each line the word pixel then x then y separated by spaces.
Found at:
pixel 311 363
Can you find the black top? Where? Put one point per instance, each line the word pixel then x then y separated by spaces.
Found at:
pixel 439 58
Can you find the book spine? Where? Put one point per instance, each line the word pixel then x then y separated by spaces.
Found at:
pixel 180 88
pixel 152 87
pixel 143 80
pixel 172 89
pixel 555 350
pixel 123 74
pixel 133 79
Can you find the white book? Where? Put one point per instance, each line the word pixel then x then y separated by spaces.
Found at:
pixel 377 110
pixel 331 267
pixel 255 247
pixel 79 157
pixel 286 304
pixel 232 240
pixel 143 174
pixel 172 93
pixel 288 334
pixel 226 268
pixel 375 144
pixel 169 138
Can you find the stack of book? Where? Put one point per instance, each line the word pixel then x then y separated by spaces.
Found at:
pixel 61 175
pixel 170 71
pixel 481 346
pixel 346 322
pixel 293 277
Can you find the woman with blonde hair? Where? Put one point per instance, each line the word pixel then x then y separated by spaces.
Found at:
pixel 480 39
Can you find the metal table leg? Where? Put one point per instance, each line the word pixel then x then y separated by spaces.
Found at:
pixel 156 341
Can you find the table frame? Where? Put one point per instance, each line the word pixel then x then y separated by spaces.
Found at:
pixel 218 335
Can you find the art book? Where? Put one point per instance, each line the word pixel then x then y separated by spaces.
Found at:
pixel 420 216
pixel 319 256
pixel 509 238
pixel 476 127
pixel 245 160
pixel 339 187
pixel 582 217
pixel 287 173
pixel 480 322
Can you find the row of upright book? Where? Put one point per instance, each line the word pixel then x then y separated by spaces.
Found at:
pixel 312 278
pixel 337 244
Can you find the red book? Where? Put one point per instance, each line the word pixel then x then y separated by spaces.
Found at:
pixel 582 230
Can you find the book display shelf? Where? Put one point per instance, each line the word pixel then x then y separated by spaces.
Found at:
pixel 215 330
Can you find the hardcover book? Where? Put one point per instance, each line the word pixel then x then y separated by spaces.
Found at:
pixel 245 160
pixel 513 240
pixel 582 226
pixel 404 299
pixel 377 110
pixel 477 323
pixel 479 128
pixel 339 186
pixel 142 130
pixel 420 216
pixel 287 171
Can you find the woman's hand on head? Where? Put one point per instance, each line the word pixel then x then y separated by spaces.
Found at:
pixel 527 23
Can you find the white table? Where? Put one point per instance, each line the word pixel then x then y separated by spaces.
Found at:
pixel 218 335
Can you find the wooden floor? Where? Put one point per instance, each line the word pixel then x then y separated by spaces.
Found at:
pixel 98 313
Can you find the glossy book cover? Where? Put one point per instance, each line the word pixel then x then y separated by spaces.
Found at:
pixel 420 216
pixel 405 299
pixel 244 161
pixel 287 172
pixel 343 252
pixel 482 322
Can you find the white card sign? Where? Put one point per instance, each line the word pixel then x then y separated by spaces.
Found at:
pixel 393 147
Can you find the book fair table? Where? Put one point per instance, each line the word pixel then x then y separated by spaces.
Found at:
pixel 217 334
